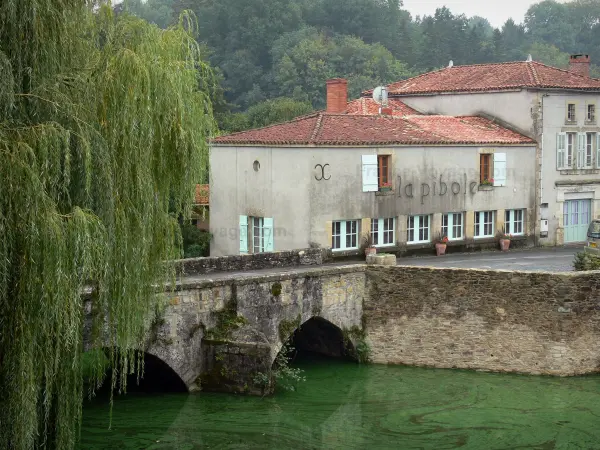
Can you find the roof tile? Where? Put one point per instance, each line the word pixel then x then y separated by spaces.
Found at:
pixel 492 77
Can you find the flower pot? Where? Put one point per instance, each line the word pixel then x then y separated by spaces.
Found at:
pixel 504 244
pixel 385 189
pixel 370 251
pixel 440 249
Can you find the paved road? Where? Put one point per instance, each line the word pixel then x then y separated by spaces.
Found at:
pixel 556 259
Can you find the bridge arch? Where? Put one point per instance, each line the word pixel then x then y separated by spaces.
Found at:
pixel 315 335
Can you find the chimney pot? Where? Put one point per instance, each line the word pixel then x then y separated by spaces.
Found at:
pixel 337 95
pixel 580 64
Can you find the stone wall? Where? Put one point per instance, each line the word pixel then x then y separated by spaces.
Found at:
pixel 303 257
pixel 535 323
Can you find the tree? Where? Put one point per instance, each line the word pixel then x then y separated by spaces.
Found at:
pixel 102 138
pixel 549 54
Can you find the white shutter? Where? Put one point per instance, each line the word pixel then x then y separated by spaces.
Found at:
pixel 499 169
pixel 561 150
pixel 243 234
pixel 268 233
pixel 598 150
pixel 369 173
pixel 581 150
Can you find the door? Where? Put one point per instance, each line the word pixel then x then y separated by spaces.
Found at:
pixel 576 219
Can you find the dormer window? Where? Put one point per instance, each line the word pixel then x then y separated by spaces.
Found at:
pixel 571 112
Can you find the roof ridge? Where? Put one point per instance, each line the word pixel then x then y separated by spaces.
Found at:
pixel 405 80
pixel 533 75
pixel 565 71
pixel 318 127
pixel 295 119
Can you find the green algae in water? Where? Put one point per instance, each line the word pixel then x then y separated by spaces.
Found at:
pixel 349 406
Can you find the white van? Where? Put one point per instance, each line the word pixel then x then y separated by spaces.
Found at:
pixel 593 238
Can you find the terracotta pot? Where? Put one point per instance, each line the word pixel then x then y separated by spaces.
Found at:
pixel 504 244
pixel 440 248
pixel 370 251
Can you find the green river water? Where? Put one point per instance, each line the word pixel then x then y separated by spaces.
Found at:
pixel 347 406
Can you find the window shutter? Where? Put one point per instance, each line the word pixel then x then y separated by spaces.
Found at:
pixel 243 234
pixel 369 173
pixel 580 150
pixel 268 233
pixel 598 150
pixel 499 169
pixel 561 150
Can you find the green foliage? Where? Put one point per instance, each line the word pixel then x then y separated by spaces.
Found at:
pixel 227 320
pixel 102 122
pixel 196 243
pixel 284 376
pixel 287 327
pixel 586 261
pixel 276 289
pixel 355 341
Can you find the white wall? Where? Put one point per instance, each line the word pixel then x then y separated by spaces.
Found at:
pixel 286 188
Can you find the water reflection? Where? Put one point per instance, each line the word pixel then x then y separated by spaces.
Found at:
pixel 343 405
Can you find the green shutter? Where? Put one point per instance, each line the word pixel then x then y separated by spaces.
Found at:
pixel 268 233
pixel 243 234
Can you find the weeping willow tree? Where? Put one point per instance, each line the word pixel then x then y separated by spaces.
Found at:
pixel 103 128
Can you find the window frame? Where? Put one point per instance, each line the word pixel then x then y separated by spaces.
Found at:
pixel 380 231
pixel 568 117
pixel 590 141
pixel 482 167
pixel 587 113
pixel 570 151
pixel 383 170
pixel 512 217
pixel 417 227
pixel 481 224
pixel 258 223
pixel 343 234
pixel 448 223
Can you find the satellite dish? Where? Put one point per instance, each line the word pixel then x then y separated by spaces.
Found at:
pixel 380 95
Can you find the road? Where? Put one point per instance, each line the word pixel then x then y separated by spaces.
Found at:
pixel 556 259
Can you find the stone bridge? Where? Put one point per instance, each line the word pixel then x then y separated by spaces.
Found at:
pixel 220 331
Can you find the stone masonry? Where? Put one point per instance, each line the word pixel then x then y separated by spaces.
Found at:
pixel 224 333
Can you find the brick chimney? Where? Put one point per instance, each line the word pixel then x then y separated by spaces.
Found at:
pixel 580 64
pixel 337 95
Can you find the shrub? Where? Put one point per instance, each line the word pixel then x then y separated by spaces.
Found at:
pixel 196 243
pixel 586 261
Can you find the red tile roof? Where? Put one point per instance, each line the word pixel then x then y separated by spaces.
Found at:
pixel 367 106
pixel 202 194
pixel 323 129
pixel 492 77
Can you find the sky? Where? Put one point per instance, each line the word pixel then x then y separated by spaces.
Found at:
pixel 496 11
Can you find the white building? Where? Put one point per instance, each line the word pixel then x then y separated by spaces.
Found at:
pixel 331 178
pixel 557 108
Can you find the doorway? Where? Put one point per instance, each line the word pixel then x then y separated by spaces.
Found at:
pixel 576 219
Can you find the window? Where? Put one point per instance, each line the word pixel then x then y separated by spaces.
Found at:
pixel 383 231
pixel 570 149
pixel 344 235
pixel 376 172
pixel 589 149
pixel 256 234
pixel 485 167
pixel 452 226
pixel 513 221
pixel 383 170
pixel 571 112
pixel 591 112
pixel 484 224
pixel 417 229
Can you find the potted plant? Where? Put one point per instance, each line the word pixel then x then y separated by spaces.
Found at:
pixel 505 241
pixel 440 245
pixel 370 248
pixel 487 182
pixel 385 187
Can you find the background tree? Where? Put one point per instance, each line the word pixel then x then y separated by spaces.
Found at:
pixel 103 135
